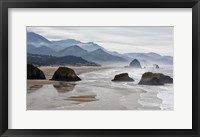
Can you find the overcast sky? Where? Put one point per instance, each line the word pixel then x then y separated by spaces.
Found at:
pixel 120 39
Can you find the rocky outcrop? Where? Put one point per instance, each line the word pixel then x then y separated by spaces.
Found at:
pixel 149 78
pixel 135 64
pixel 122 77
pixel 156 66
pixel 65 74
pixel 34 73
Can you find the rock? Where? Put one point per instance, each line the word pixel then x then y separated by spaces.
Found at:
pixel 122 77
pixel 149 78
pixel 156 66
pixel 34 73
pixel 168 79
pixel 65 74
pixel 135 64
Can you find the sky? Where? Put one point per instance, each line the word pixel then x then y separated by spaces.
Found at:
pixel 120 39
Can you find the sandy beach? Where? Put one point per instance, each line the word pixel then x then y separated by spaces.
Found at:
pixel 49 71
pixel 96 91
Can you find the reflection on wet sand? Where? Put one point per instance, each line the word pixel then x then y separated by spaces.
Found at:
pixel 32 88
pixel 83 98
pixel 63 87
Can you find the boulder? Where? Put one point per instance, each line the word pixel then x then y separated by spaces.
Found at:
pixel 149 78
pixel 65 74
pixel 34 72
pixel 122 77
pixel 135 64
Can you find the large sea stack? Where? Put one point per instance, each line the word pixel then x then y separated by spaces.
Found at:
pixel 135 64
pixel 156 66
pixel 123 77
pixel 65 74
pixel 149 78
pixel 34 72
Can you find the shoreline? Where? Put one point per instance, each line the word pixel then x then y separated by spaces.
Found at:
pixel 49 71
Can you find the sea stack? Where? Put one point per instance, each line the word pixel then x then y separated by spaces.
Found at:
pixel 135 64
pixel 65 74
pixel 123 77
pixel 34 72
pixel 156 66
pixel 149 78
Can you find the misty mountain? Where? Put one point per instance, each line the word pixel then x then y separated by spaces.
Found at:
pixel 151 58
pixel 62 44
pixel 43 50
pixel 37 44
pixel 90 46
pixel 37 40
pixel 119 55
pixel 51 60
pixel 72 50
pixel 100 56
pixel 168 57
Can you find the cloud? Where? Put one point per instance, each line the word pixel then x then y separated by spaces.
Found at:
pixel 120 39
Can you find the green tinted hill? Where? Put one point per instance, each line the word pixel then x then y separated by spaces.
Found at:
pixel 48 60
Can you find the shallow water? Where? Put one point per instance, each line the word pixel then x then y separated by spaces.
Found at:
pixel 96 91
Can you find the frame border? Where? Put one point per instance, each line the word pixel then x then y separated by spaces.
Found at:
pixel 6 4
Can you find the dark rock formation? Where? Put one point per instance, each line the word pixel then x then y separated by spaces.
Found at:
pixel 156 66
pixel 135 64
pixel 65 74
pixel 34 73
pixel 122 77
pixel 149 78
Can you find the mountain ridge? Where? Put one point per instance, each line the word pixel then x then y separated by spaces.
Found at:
pixel 37 44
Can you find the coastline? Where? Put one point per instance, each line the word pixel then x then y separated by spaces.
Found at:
pixel 49 71
pixel 96 91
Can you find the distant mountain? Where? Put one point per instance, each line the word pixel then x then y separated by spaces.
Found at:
pixel 37 44
pixel 72 50
pixel 151 57
pixel 43 50
pixel 119 55
pixel 37 40
pixel 90 46
pixel 144 55
pixel 168 57
pixel 51 60
pixel 100 56
pixel 62 44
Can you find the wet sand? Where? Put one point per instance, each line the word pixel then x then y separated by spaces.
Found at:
pixel 96 91
pixel 83 98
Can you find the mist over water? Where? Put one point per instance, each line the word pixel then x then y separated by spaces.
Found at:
pixel 96 91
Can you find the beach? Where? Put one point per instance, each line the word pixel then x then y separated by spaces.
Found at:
pixel 96 91
pixel 49 71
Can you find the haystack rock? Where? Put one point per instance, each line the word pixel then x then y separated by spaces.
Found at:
pixel 135 64
pixel 149 78
pixel 65 74
pixel 156 66
pixel 122 77
pixel 34 72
